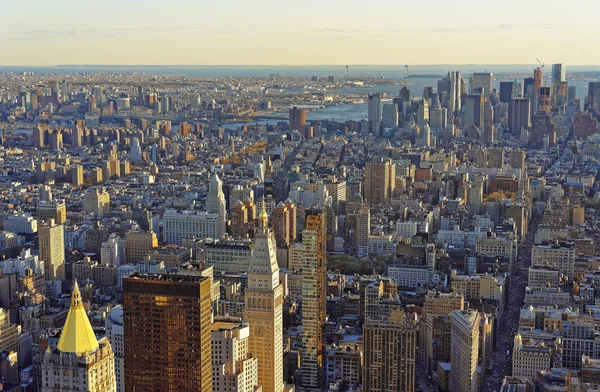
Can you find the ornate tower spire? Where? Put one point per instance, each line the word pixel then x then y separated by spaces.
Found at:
pixel 263 220
pixel 77 335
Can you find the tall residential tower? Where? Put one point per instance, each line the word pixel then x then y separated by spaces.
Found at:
pixel 314 284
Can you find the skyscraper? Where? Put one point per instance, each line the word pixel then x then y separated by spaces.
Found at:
pixel 135 155
pixel 529 89
pixel 506 89
pixel 423 114
pixel 314 271
pixel 215 202
pixel 167 333
pixel 571 95
pixel 374 113
pixel 390 116
pixel 380 181
pixel 80 362
pixel 435 326
pixel 593 94
pixel 52 250
pixel 454 103
pixel 389 353
pixel 543 100
pixel 297 118
pixel 444 90
pixel 363 231
pixel 465 350
pixel 559 74
pixel 537 85
pixel 562 94
pixel 474 110
pixel 542 127
pixel 438 116
pixel 519 113
pixel 39 135
pixel 263 308
pixel 281 219
pixel 517 160
pixel 481 80
pixel 153 153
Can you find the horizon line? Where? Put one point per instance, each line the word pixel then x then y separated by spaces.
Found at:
pixel 285 65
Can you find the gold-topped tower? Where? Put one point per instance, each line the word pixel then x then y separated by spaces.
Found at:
pixel 81 362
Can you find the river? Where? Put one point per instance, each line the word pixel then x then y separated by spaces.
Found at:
pixel 356 112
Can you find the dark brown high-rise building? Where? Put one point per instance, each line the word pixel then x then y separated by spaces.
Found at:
pixel 284 223
pixel 544 99
pixel 584 125
pixel 537 84
pixel 167 333
pixel 380 181
pixel 238 214
pixel 297 119
pixel 542 126
pixel 281 225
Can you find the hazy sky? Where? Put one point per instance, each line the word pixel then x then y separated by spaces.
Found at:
pixel 207 32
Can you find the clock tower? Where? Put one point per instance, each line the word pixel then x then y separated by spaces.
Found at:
pixel 264 300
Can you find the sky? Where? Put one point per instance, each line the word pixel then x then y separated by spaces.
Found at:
pixel 298 32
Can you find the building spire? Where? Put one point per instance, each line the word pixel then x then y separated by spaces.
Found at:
pixel 76 297
pixel 77 336
pixel 263 219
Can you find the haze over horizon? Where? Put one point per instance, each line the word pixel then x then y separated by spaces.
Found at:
pixel 267 32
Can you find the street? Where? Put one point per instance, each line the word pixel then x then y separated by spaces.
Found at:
pixel 508 324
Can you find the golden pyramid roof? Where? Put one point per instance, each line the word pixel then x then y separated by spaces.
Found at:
pixel 77 335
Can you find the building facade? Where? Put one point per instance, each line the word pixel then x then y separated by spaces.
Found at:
pixel 465 350
pixel 389 354
pixel 173 312
pixel 264 302
pixel 52 250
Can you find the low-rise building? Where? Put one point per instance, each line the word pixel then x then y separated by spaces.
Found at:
pixel 24 261
pixel 343 364
pixel 540 276
pixel 228 256
pixel 543 296
pixel 409 276
pixel 560 256
pixel 530 357
pixel 20 224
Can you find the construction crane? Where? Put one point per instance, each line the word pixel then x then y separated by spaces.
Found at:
pixel 542 64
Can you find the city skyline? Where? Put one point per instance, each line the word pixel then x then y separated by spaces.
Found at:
pixel 168 223
pixel 274 33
